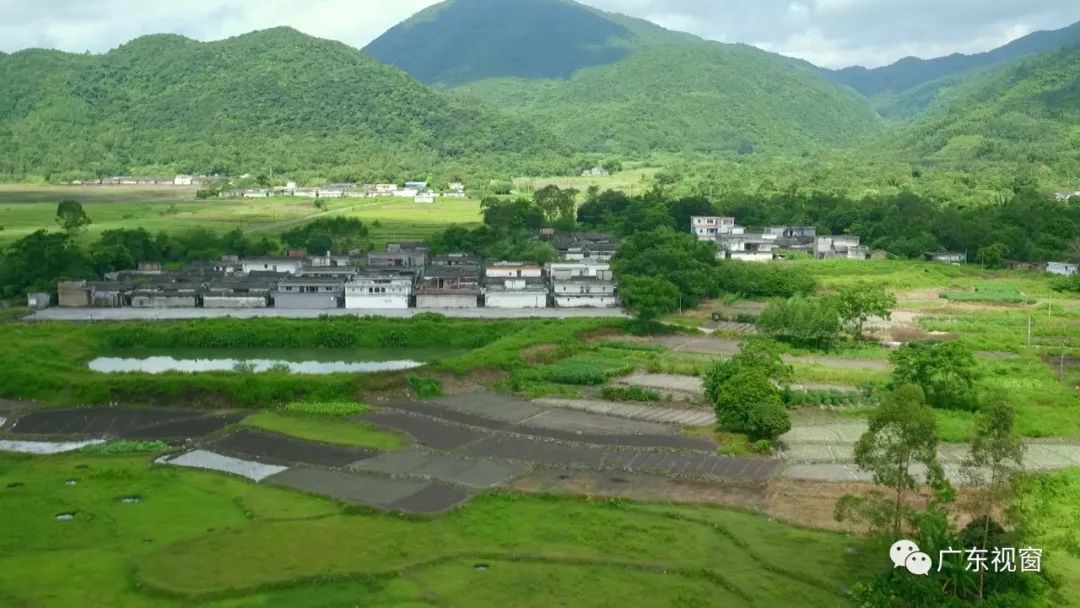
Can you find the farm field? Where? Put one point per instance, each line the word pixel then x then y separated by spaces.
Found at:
pixel 24 211
pixel 629 181
pixel 232 543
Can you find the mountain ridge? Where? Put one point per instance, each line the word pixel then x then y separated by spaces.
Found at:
pixel 272 101
pixel 910 72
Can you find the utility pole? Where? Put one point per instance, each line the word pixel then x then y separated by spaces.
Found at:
pixel 1061 364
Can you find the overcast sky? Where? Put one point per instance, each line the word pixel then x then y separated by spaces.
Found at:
pixel 831 33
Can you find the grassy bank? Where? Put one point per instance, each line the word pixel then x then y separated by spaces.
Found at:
pixel 204 539
pixel 48 361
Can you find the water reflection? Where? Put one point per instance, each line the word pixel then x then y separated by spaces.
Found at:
pixel 163 364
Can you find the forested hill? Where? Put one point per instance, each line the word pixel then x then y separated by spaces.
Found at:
pixel 273 102
pixel 611 83
pixel 702 96
pixel 912 72
pixel 1025 113
pixel 462 41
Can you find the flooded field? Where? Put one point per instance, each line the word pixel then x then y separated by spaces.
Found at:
pixel 295 361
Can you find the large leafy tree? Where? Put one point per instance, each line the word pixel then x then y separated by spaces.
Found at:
pixel 857 303
pixel 649 297
pixel 945 371
pixel 748 402
pixel 71 217
pixel 802 321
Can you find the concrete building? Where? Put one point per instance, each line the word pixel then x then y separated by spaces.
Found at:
pixel 379 289
pixel 449 286
pixel 331 261
pixel 183 180
pixel 586 292
pixel 515 285
pixel 707 228
pixel 843 246
pixel 399 255
pixel 308 293
pixel 586 268
pixel 578 246
pixel 747 247
pixel 595 172
pixel 1065 269
pixel 945 257
pixel 237 294
pixel 424 197
pixel 165 295
pixel 38 301
pixel 76 294
pixel 271 264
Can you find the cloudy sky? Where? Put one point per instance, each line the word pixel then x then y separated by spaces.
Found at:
pixel 832 33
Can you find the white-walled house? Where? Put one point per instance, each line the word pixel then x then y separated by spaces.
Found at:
pixel 379 290
pixel 515 285
pixel 289 265
pixel 584 268
pixel 1065 269
pixel 586 292
pixel 706 228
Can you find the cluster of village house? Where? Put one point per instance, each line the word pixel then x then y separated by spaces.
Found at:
pixel 734 242
pixel 405 275
pixel 420 192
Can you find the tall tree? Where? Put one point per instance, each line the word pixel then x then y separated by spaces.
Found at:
pixel 71 216
pixel 649 297
pixel 995 460
pixel 858 302
pixel 944 370
pixel 901 433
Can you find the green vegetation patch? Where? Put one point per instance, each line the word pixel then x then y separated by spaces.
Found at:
pixel 126 447
pixel 330 408
pixel 630 393
pixel 585 369
pixel 991 292
pixel 325 429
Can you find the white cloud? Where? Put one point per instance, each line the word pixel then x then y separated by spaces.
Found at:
pixel 833 33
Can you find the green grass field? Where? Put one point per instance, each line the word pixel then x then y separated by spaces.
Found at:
pixel 325 429
pixel 206 539
pixel 389 219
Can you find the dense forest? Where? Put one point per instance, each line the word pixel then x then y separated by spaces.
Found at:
pixel 695 96
pixel 544 88
pixel 271 102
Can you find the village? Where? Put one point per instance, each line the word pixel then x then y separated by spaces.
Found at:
pixel 404 275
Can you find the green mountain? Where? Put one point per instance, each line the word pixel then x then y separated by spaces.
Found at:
pixel 462 41
pixel 270 102
pixel 1025 113
pixel 703 96
pixel 911 72
pixel 609 83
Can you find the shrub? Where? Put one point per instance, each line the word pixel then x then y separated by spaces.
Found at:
pixel 426 387
pixel 766 419
pixel 748 402
pixel 327 408
pixel 746 318
pixel 126 447
pixel 630 393
pixel 762 446
pixel 585 370
pixel 800 321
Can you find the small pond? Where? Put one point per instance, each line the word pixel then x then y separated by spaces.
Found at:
pixel 298 361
